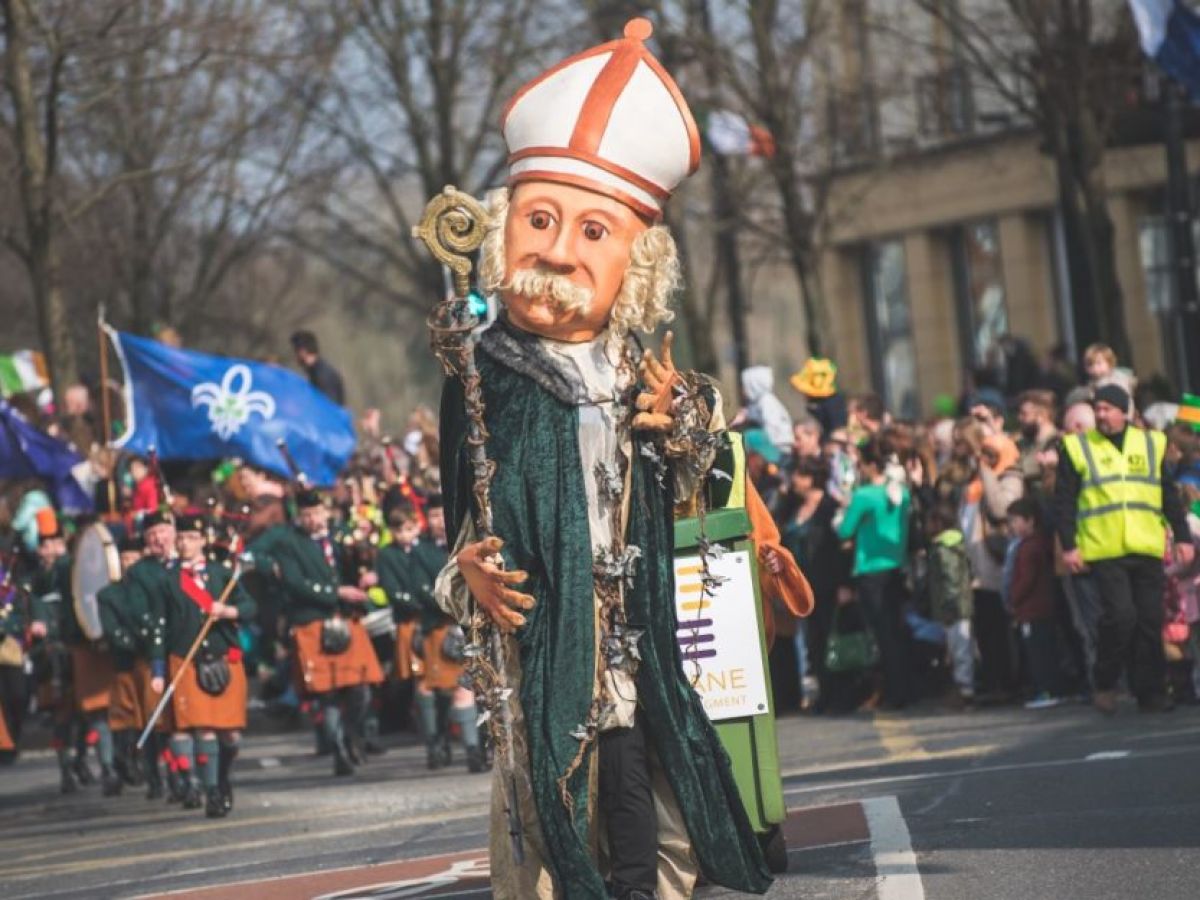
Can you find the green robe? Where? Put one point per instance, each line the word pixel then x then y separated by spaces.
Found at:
pixel 539 506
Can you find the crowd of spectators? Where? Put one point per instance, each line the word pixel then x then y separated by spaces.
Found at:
pixel 942 540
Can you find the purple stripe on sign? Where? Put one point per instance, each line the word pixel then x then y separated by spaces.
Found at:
pixel 700 654
pixel 696 639
pixel 695 623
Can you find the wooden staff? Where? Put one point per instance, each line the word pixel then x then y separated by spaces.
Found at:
pixel 187 660
pixel 106 411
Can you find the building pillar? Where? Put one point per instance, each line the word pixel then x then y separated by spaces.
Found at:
pixel 1028 268
pixel 930 285
pixel 1145 335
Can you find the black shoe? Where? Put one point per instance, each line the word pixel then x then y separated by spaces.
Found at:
pixel 374 748
pixel 433 759
pixel 111 783
pixel 226 791
pixel 214 804
pixel 176 787
pixel 342 761
pixel 193 799
pixel 67 783
pixel 154 790
pixel 82 772
pixel 475 762
pixel 447 755
pixel 354 752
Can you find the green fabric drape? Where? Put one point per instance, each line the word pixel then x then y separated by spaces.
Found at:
pixel 540 511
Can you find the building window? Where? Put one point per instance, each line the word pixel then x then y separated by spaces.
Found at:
pixel 889 327
pixel 979 286
pixel 945 105
pixel 1154 246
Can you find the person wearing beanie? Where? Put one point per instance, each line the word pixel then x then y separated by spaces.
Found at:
pixel 1113 502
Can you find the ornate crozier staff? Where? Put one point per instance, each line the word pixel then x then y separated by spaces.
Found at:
pixel 453 228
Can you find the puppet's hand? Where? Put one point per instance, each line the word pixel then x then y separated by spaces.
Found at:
pixel 491 586
pixel 660 377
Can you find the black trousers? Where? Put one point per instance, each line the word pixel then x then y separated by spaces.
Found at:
pixel 626 800
pixel 14 697
pixel 1131 623
pixel 881 597
pixel 993 636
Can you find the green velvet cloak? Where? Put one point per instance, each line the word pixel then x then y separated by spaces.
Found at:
pixel 540 511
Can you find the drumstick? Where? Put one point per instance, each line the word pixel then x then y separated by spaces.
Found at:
pixel 187 660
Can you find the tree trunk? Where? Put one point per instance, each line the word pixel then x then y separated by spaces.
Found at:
pixel 696 320
pixel 42 256
pixel 725 239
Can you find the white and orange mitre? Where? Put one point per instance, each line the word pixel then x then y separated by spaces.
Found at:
pixel 610 120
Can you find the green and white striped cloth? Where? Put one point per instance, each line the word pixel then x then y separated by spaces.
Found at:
pixel 22 372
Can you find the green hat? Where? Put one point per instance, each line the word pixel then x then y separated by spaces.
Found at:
pixel 1189 411
pixel 756 441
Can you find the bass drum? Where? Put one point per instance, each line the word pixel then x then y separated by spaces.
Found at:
pixel 97 565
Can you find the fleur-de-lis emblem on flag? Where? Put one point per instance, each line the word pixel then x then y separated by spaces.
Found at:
pixel 231 402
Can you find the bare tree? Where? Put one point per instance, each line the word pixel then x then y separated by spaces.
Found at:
pixel 1066 66
pixel 412 107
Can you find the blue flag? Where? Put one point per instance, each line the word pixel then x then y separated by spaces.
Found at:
pixel 1170 35
pixel 26 452
pixel 189 405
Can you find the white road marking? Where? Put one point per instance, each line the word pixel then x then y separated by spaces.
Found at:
pixel 822 787
pixel 269 762
pixel 896 874
pixel 1106 754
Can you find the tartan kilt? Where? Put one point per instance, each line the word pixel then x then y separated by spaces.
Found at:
pixel 319 672
pixel 93 674
pixel 195 708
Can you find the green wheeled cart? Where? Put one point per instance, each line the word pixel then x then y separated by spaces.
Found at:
pixel 723 641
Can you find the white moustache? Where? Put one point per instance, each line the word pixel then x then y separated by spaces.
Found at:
pixel 556 290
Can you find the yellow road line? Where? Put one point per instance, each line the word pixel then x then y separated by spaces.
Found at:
pixel 975 750
pixel 897 737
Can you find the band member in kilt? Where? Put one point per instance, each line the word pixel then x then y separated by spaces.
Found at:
pixel 209 703
pixel 143 582
pixel 408 574
pixel 78 675
pixel 126 715
pixel 335 663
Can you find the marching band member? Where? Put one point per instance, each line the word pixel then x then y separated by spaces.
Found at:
pixel 334 658
pixel 209 703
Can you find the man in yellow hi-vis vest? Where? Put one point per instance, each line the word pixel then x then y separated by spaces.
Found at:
pixel 1113 503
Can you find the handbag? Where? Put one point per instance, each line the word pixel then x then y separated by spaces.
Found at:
pixel 849 651
pixel 212 675
pixel 335 636
pixel 11 653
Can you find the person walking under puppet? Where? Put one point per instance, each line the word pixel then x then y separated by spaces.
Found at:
pixel 623 787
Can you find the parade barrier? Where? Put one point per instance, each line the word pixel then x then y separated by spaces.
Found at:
pixel 722 639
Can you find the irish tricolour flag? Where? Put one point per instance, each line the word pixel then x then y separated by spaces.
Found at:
pixel 22 372
pixel 1170 33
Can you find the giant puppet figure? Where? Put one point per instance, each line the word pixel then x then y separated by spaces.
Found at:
pixel 621 782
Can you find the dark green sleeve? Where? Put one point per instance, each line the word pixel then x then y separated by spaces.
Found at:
pixel 244 601
pixel 390 566
pixel 318 592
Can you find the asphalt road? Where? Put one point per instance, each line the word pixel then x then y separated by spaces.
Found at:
pixel 1001 803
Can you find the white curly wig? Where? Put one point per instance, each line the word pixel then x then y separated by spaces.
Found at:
pixel 653 276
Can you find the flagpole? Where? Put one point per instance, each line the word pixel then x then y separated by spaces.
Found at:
pixel 106 411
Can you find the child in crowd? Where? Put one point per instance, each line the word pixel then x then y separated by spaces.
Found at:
pixel 951 601
pixel 1030 596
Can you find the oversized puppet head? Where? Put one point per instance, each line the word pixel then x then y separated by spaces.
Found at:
pixel 596 146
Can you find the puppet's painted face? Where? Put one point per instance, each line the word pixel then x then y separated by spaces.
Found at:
pixel 566 250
